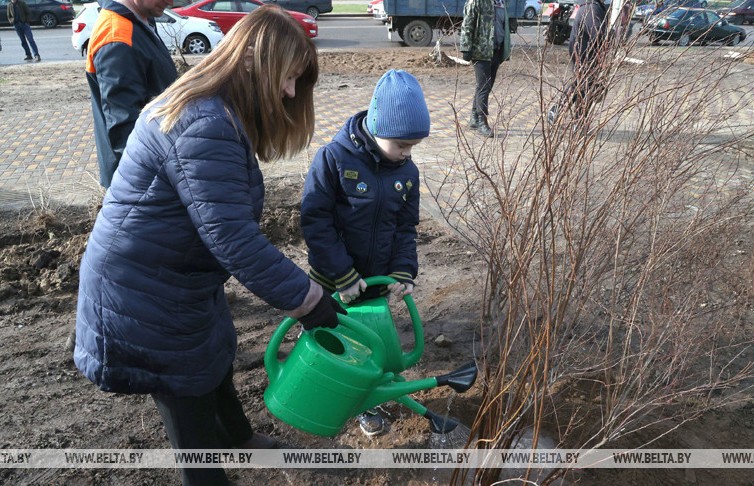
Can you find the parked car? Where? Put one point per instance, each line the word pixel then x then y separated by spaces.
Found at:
pixel 532 9
pixel 191 35
pixel 311 8
pixel 227 12
pixel 49 13
pixel 646 11
pixel 738 13
pixel 691 25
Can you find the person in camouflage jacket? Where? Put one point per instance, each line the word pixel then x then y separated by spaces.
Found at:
pixel 485 41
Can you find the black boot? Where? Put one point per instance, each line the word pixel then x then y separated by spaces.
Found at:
pixel 483 128
pixel 474 119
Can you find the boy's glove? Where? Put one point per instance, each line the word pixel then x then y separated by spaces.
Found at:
pixel 400 290
pixel 353 291
pixel 466 55
pixel 324 314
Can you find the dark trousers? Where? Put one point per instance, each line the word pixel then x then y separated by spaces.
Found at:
pixel 485 72
pixel 24 32
pixel 584 91
pixel 215 420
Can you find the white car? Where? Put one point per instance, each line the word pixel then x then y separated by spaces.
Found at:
pixel 532 9
pixel 378 12
pixel 192 35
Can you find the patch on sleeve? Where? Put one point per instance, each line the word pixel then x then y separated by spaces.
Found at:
pixel 351 174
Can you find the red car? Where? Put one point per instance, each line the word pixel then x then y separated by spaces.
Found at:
pixel 227 12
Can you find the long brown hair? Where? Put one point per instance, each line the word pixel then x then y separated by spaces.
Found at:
pixel 247 70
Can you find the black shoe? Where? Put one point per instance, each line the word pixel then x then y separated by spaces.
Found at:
pixel 371 423
pixel 28 58
pixel 37 58
pixel 473 120
pixel 484 129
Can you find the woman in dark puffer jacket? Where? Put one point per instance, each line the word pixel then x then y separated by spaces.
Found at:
pixel 181 217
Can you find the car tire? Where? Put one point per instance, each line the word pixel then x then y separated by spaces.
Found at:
pixel 735 39
pixel 417 33
pixel 48 20
pixel 684 40
pixel 530 13
pixel 85 49
pixel 196 44
pixel 312 12
pixel 737 20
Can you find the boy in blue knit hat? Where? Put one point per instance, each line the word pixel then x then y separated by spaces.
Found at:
pixel 360 206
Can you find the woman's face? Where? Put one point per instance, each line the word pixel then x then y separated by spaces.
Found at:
pixel 288 89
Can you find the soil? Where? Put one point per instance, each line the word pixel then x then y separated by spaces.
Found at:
pixel 47 403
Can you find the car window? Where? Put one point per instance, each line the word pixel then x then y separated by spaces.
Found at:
pixel 678 14
pixel 246 6
pixel 698 19
pixel 219 6
pixel 713 18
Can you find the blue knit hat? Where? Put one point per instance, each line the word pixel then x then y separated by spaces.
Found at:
pixel 398 109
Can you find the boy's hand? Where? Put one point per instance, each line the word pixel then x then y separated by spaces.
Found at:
pixel 400 290
pixel 353 291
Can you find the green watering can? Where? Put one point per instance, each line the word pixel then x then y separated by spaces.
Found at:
pixel 332 375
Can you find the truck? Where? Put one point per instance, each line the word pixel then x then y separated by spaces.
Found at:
pixel 415 21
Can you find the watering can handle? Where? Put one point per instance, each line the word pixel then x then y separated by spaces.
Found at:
pixel 409 358
pixel 272 364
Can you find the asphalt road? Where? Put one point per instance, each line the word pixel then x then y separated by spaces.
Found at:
pixel 334 33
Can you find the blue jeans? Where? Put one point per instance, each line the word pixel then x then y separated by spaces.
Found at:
pixel 24 32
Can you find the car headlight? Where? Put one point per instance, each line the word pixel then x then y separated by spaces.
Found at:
pixel 310 21
pixel 215 27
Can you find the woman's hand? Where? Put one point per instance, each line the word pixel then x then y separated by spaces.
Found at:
pixel 324 314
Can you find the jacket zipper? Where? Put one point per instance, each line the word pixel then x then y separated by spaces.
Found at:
pixel 375 219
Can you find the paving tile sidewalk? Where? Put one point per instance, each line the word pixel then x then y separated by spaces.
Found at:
pixel 53 160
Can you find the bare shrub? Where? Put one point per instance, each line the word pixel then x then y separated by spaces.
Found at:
pixel 611 247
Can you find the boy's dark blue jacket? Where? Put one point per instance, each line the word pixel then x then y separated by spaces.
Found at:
pixel 359 211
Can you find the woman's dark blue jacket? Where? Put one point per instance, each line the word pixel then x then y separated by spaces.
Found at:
pixel 180 217
pixel 359 212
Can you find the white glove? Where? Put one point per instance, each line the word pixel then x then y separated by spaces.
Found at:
pixel 353 291
pixel 400 290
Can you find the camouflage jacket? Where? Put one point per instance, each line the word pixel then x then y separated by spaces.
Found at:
pixel 478 29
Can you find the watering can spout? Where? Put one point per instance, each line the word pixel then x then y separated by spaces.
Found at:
pixel 397 389
pixel 460 379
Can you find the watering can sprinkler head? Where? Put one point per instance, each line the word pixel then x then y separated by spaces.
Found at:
pixel 440 425
pixel 460 379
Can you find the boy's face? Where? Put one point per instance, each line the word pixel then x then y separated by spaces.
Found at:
pixel 396 150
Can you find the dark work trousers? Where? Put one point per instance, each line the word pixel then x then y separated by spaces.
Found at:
pixel 215 420
pixel 24 32
pixel 486 72
pixel 584 91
